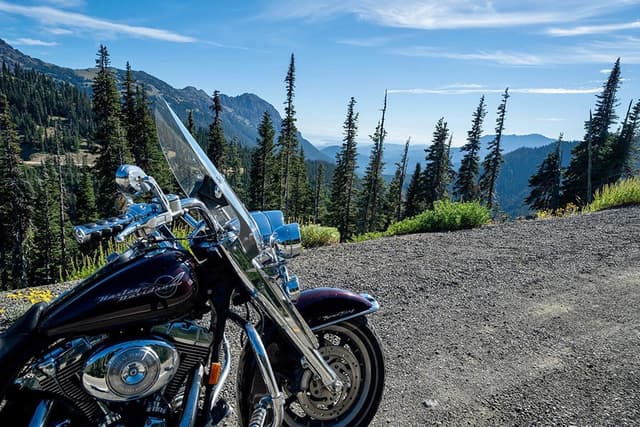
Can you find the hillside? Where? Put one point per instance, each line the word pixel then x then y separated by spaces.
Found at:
pixel 241 114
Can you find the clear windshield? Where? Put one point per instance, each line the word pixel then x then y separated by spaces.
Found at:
pixel 199 178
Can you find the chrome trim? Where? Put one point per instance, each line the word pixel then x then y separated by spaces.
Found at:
pixel 375 306
pixel 185 332
pixel 190 410
pixel 226 368
pixel 276 397
pixel 41 414
pixel 130 370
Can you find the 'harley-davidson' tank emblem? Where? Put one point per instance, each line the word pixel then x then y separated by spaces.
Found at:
pixel 164 287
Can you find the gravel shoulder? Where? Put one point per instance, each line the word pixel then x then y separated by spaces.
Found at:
pixel 526 323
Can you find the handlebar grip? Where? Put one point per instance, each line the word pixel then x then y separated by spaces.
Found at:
pixel 103 228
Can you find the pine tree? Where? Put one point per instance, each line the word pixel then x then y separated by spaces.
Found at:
pixel 47 251
pixel 493 159
pixel 624 151
pixel 191 126
pixel 415 198
pixel 317 193
pixel 466 186
pixel 436 177
pixel 589 166
pixel 150 159
pixel 112 147
pixel 234 170
pixel 372 193
pixel 217 149
pixel 301 194
pixel 341 211
pixel 128 119
pixel 86 202
pixel 288 140
pixel 545 183
pixel 262 183
pixel 394 194
pixel 15 205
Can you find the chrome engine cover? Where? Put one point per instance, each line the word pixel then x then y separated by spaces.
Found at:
pixel 130 370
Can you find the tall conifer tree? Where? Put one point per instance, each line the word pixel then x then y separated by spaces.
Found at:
pixel 394 194
pixel 466 186
pixel 262 184
pixel 624 148
pixel 217 149
pixel 109 136
pixel 592 154
pixel 493 159
pixel 415 198
pixel 191 126
pixel 341 210
pixel 545 183
pixel 372 194
pixel 288 140
pixel 436 172
pixel 15 205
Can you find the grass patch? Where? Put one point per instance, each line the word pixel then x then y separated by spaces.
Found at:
pixel 622 193
pixel 314 235
pixel 445 216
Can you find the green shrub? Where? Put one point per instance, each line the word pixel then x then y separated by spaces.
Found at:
pixel 445 216
pixel 622 193
pixel 314 235
pixel 369 236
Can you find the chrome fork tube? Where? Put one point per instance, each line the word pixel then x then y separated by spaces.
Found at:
pixel 226 367
pixel 190 408
pixel 276 397
pixel 41 414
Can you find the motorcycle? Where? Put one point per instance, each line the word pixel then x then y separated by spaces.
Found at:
pixel 142 341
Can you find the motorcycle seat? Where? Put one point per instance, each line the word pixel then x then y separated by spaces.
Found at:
pixel 18 343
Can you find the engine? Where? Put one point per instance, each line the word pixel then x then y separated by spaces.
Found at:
pixel 107 379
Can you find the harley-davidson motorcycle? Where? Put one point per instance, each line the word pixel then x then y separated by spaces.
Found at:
pixel 142 341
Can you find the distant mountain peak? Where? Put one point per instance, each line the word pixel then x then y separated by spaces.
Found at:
pixel 240 119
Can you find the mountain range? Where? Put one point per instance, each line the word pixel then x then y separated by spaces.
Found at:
pixel 240 117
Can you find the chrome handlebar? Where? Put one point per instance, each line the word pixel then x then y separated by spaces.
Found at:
pixel 103 228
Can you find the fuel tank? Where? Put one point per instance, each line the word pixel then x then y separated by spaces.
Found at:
pixel 148 289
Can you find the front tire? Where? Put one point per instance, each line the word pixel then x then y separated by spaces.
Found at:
pixel 353 350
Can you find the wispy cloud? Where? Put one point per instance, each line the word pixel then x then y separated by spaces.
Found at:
pixel 466 91
pixel 599 52
pixel 32 42
pixel 500 57
pixel 550 119
pixel 592 29
pixel 69 4
pixel 50 16
pixel 366 42
pixel 436 14
pixel 58 31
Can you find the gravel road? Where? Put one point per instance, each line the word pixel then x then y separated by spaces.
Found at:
pixel 527 323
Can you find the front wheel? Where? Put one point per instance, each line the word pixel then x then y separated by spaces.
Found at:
pixel 353 351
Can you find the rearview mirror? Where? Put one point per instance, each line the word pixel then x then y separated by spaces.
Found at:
pixel 129 179
pixel 287 240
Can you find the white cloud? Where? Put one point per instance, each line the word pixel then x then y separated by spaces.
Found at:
pixel 368 42
pixel 436 14
pixel 592 29
pixel 58 31
pixel 69 4
pixel 500 57
pixel 606 71
pixel 32 42
pixel 529 91
pixel 550 119
pixel 50 16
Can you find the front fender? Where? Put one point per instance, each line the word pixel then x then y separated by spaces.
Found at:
pixel 322 307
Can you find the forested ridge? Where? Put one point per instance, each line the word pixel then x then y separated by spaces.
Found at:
pixel 75 139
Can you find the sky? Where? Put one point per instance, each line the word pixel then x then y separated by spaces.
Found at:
pixel 435 58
